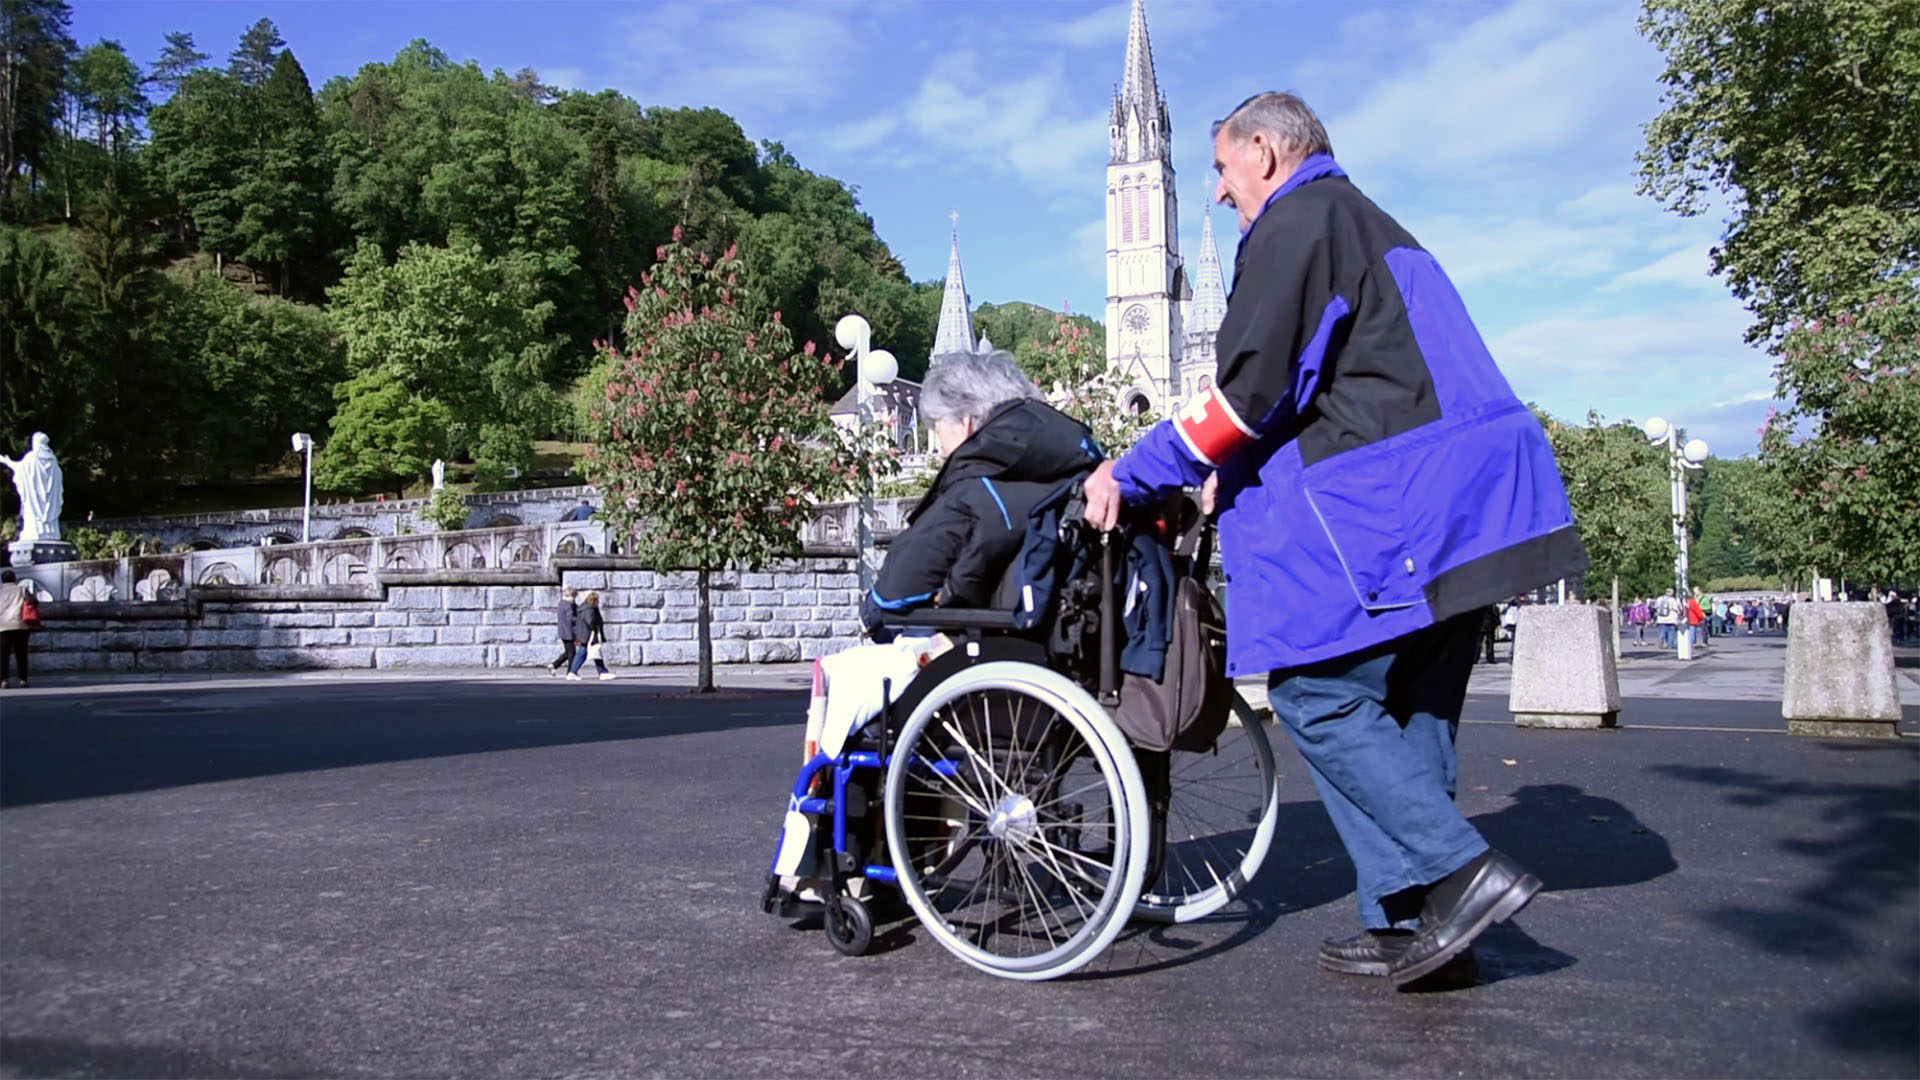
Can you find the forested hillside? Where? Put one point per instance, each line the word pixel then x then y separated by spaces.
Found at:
pixel 199 257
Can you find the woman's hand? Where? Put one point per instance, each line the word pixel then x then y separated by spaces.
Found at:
pixel 1209 491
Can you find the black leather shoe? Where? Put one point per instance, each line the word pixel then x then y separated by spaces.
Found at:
pixel 1369 952
pixel 1373 953
pixel 1499 889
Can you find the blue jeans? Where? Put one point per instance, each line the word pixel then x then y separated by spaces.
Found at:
pixel 1376 729
pixel 580 660
pixel 1668 638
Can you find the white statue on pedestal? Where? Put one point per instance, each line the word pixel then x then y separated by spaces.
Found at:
pixel 439 474
pixel 36 476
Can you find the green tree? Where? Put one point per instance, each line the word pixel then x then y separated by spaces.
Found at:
pixel 177 60
pixel 283 195
pixel 1842 500
pixel 202 143
pixel 106 88
pixel 35 50
pixel 1722 549
pixel 383 433
pixel 1622 503
pixel 712 432
pixel 450 326
pixel 266 366
pixel 1805 115
pixel 251 61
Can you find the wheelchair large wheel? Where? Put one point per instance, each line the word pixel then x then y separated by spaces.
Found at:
pixel 1016 820
pixel 1221 812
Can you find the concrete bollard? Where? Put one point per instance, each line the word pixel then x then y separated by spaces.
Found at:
pixel 1840 679
pixel 1563 668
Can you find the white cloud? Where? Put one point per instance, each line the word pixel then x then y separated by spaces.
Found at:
pixel 1688 268
pixel 565 78
pixel 750 58
pixel 1491 247
pixel 1520 83
pixel 1026 128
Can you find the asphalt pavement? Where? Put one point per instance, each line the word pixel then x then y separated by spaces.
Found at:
pixel 524 877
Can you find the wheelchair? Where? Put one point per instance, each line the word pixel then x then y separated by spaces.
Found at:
pixel 996 799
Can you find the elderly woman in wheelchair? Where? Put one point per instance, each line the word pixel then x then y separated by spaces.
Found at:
pixel 966 757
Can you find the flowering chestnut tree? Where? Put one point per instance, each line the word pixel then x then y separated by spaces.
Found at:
pixel 1071 369
pixel 710 436
pixel 1840 464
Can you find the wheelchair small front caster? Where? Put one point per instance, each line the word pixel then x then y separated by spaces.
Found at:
pixel 849 925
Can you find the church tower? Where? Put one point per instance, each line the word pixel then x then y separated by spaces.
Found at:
pixel 1146 281
pixel 1204 314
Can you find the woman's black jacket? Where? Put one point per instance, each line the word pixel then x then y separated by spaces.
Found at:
pixel 969 525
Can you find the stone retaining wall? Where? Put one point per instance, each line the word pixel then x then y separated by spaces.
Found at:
pixel 448 619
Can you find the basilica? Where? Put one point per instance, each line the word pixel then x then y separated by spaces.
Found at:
pixel 1161 320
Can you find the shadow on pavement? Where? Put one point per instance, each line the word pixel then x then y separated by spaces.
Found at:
pixel 1863 839
pixel 79 747
pixel 1571 839
pixel 32 1056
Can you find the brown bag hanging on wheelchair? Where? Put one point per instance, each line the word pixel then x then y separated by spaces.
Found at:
pixel 1189 706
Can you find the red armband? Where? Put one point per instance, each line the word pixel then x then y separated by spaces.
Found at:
pixel 1211 429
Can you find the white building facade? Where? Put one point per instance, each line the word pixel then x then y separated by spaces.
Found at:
pixel 1159 328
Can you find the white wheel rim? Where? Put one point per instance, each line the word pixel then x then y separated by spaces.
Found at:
pixel 1099 920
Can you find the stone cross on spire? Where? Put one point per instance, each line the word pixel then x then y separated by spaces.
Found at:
pixel 955 333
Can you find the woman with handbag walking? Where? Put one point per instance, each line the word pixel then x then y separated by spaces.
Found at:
pixel 590 634
pixel 19 616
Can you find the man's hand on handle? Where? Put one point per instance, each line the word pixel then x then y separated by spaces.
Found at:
pixel 1103 497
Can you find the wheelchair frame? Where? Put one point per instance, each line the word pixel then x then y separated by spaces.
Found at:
pixel 826 782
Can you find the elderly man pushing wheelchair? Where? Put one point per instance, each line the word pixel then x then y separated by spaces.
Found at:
pixel 1379 486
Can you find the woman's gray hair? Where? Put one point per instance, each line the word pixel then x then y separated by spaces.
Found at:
pixel 971 385
pixel 1281 117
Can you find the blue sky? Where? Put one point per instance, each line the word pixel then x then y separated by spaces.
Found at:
pixel 1501 134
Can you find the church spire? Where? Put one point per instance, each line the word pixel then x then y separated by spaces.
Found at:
pixel 955 333
pixel 1209 287
pixel 1138 128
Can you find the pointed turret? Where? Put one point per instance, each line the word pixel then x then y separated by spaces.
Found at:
pixel 1138 129
pixel 1209 287
pixel 955 333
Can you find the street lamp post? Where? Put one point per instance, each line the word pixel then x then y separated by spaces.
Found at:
pixel 304 441
pixel 872 368
pixel 1680 458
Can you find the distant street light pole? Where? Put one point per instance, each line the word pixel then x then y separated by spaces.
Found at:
pixel 304 441
pixel 1679 460
pixel 872 368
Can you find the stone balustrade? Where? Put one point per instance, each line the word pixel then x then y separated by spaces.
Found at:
pixel 459 618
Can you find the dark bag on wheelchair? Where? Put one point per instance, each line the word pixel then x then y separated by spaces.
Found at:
pixel 1188 706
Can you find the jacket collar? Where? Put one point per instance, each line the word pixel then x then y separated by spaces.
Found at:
pixel 1315 167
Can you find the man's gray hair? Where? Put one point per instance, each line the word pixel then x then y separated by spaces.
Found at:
pixel 1281 117
pixel 971 385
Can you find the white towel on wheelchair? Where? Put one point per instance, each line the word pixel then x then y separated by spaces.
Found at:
pixel 852 686
pixel 849 688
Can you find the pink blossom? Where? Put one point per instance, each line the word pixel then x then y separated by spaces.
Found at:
pixel 677 234
pixel 733 250
pixel 692 396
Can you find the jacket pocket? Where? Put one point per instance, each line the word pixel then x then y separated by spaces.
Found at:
pixel 1359 505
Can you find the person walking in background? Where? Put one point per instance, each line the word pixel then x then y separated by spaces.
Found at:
pixel 1694 618
pixel 564 615
pixel 590 635
pixel 1638 616
pixel 14 626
